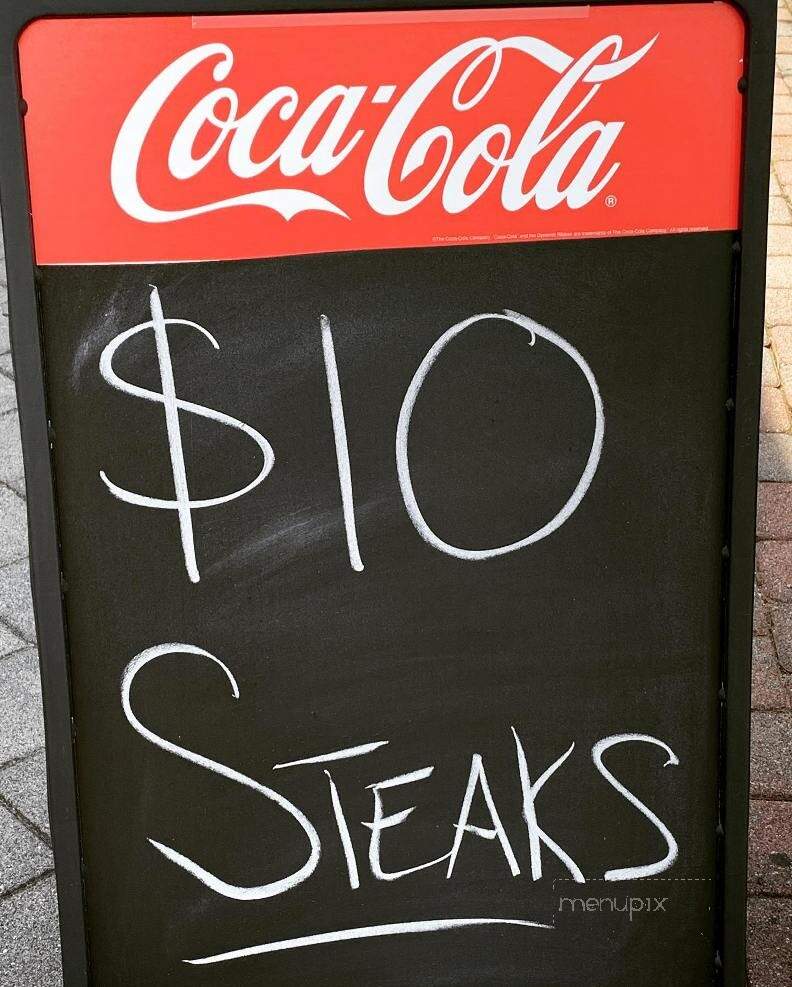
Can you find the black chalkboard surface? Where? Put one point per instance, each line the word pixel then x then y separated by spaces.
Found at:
pixel 608 626
pixel 388 384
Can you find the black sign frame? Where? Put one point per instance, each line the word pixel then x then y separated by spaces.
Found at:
pixel 742 406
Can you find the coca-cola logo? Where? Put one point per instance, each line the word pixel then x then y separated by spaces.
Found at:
pixel 399 167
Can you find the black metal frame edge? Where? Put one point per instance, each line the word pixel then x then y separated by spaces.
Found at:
pixel 760 16
pixel 746 388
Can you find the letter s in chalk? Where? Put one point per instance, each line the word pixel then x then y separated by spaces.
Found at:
pixel 204 876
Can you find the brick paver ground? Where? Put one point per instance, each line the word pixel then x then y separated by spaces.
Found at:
pixel 770 866
pixel 29 948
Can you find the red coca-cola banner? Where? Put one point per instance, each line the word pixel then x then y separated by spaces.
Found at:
pixel 201 138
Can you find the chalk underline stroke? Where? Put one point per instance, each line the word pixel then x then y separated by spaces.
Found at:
pixel 341 755
pixel 364 932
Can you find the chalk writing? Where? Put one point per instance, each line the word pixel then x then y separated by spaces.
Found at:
pixel 184 505
pixel 172 404
pixel 382 822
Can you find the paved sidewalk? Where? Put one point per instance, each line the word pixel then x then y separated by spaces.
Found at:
pixel 29 945
pixel 770 874
pixel 29 949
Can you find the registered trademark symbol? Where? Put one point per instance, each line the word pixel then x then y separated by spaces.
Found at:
pixel 610 201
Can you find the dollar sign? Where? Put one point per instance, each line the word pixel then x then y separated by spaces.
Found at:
pixel 173 404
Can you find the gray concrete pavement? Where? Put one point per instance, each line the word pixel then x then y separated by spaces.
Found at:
pixel 29 941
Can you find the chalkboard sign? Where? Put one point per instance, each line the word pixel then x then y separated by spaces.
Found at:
pixel 389 385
